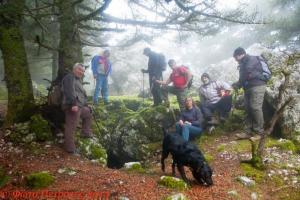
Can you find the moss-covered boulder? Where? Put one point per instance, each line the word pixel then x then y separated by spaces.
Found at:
pixel 134 167
pixel 127 134
pixel 40 128
pixel 172 182
pixel 39 180
pixel 92 149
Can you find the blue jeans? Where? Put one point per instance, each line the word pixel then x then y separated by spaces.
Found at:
pixel 101 85
pixel 186 130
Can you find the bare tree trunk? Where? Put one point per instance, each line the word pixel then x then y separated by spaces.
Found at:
pixel 17 76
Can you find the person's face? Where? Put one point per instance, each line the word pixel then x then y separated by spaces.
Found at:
pixel 172 64
pixel 205 79
pixel 189 103
pixel 106 54
pixel 238 58
pixel 79 71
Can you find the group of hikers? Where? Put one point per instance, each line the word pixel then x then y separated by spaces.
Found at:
pixel 215 96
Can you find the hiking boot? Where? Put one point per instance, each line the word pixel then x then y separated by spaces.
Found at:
pixel 211 129
pixel 242 136
pixel 255 138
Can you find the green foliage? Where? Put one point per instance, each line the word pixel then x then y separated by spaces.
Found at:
pixel 252 172
pixel 92 149
pixel 172 182
pixel 39 126
pixel 39 180
pixel 3 177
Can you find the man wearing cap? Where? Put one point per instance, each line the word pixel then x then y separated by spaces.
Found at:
pixel 254 91
pixel 75 106
pixel 101 67
pixel 155 73
pixel 214 96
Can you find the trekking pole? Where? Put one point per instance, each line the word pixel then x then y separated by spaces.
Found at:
pixel 93 114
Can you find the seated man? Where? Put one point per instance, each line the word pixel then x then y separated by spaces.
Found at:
pixel 214 96
pixel 180 77
pixel 75 107
pixel 190 120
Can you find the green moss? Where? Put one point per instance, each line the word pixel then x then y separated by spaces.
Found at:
pixel 3 177
pixel 286 145
pixel 92 149
pixel 221 147
pixel 252 172
pixel 136 168
pixel 39 126
pixel 208 157
pixel 173 183
pixel 3 93
pixel 39 180
pixel 278 181
pixel 241 146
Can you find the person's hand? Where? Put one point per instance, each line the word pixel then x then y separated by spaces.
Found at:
pixel 235 85
pixel 74 108
pixel 181 123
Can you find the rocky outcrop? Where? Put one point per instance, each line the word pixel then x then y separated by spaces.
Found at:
pixel 129 135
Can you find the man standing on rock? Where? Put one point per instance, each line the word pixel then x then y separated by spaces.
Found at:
pixel 254 86
pixel 101 67
pixel 75 106
pixel 156 65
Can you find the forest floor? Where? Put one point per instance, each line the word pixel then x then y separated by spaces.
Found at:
pixel 223 152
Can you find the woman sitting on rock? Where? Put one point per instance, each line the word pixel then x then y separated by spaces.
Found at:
pixel 190 121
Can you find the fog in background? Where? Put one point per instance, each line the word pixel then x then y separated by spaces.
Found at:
pixel 212 54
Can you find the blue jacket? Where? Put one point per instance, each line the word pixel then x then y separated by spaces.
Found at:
pixel 193 116
pixel 95 62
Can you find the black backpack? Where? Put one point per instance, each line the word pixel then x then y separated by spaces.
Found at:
pixel 162 62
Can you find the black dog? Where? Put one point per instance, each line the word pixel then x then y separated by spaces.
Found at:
pixel 185 154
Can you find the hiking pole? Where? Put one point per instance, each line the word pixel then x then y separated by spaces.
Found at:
pixel 93 114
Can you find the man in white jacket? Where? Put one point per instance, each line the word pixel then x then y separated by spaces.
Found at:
pixel 215 96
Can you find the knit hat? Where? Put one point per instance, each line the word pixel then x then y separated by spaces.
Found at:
pixel 205 75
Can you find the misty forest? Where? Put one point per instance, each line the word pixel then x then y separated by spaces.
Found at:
pixel 95 95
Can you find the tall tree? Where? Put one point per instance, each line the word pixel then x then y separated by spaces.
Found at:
pixel 17 76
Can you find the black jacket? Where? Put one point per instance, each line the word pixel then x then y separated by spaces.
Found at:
pixel 250 70
pixel 193 116
pixel 153 66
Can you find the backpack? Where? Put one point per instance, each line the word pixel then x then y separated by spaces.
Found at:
pixel 162 62
pixel 55 95
pixel 266 73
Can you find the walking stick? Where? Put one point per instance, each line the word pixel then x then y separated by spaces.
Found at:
pixel 94 116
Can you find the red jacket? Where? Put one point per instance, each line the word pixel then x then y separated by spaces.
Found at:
pixel 179 76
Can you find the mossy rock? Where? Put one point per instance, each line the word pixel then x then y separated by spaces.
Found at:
pixel 283 144
pixel 92 149
pixel 39 180
pixel 3 177
pixel 178 196
pixel 40 127
pixel 172 182
pixel 249 171
pixel 135 167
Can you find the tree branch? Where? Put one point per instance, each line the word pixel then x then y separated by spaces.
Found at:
pixel 95 13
